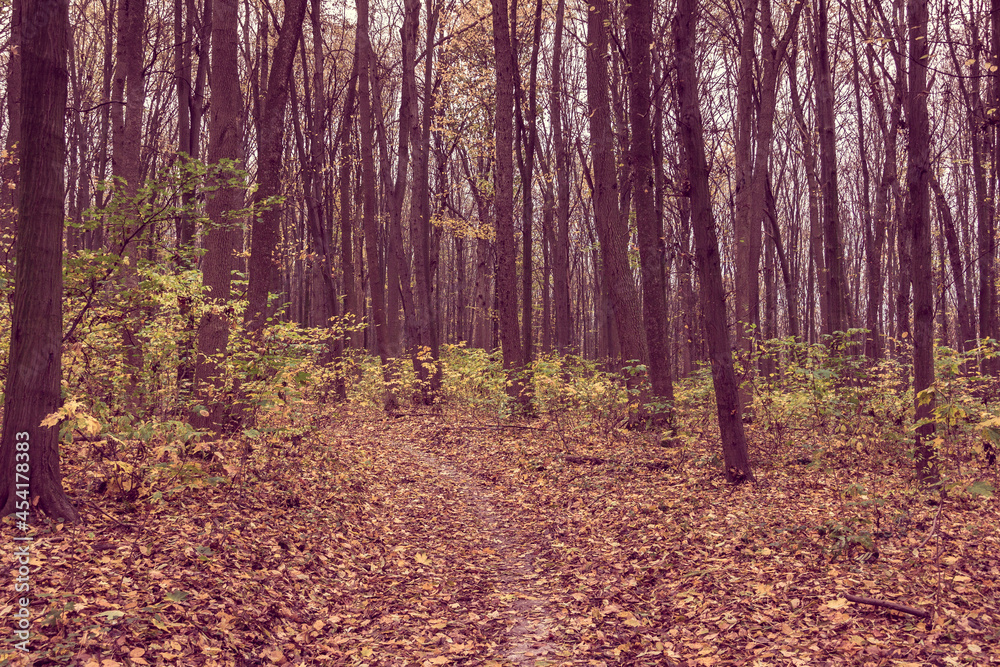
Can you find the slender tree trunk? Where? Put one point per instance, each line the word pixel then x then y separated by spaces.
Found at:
pixel 966 332
pixel 266 231
pixel 506 274
pixel 9 165
pixel 129 92
pixel 988 294
pixel 612 228
pixel 560 247
pixel 918 213
pixel 376 270
pixel 652 249
pixel 528 133
pixel 352 311
pixel 832 243
pixel 734 444
pixel 29 453
pixel 747 227
pixel 818 261
pixel 428 369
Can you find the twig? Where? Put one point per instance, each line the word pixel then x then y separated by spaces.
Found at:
pixel 889 605
pixel 933 526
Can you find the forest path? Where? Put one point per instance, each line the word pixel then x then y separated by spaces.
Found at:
pixel 485 534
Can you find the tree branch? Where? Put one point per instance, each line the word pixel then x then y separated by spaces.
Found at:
pixel 889 605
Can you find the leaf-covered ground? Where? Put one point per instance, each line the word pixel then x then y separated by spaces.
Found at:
pixel 442 539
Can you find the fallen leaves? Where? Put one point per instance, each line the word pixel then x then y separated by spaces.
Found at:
pixel 419 542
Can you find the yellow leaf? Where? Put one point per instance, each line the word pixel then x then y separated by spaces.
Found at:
pixel 839 603
pixel 52 419
pixel 422 559
pixel 90 426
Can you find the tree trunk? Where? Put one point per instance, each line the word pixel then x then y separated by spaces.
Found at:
pixel 966 332
pixel 612 227
pixel 266 230
pixel 818 274
pixel 426 366
pixel 832 243
pixel 352 311
pixel 8 165
pixel 652 249
pixel 918 213
pixel 734 444
pixel 129 92
pixel 560 247
pixel 29 453
pixel 506 270
pixel 376 269
pixel 528 133
pixel 225 142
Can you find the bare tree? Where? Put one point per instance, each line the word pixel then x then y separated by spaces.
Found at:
pixel 506 270
pixel 713 296
pixel 919 216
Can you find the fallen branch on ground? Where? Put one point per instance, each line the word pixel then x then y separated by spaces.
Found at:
pixel 889 605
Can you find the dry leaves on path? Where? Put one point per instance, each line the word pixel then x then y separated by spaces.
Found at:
pixel 435 540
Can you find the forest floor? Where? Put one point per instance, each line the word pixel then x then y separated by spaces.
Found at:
pixel 442 539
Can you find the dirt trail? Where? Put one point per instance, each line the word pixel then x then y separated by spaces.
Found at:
pixel 528 616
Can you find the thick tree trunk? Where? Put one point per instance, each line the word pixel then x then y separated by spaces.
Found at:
pixel 734 444
pixel 225 142
pixel 29 453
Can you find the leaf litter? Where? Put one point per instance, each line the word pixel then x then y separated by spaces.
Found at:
pixel 441 540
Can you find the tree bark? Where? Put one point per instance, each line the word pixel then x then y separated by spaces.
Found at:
pixel 652 250
pixel 506 273
pixel 734 444
pixel 612 228
pixel 129 96
pixel 560 247
pixel 832 237
pixel 225 142
pixel 34 372
pixel 918 200
pixel 266 230
pixel 8 164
